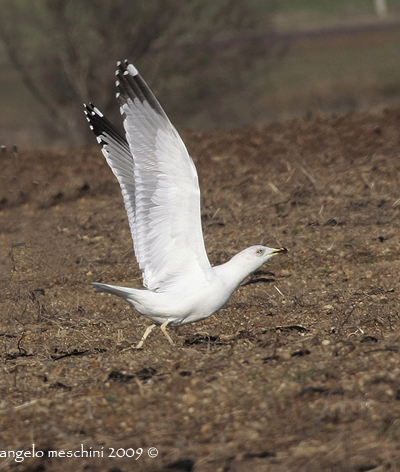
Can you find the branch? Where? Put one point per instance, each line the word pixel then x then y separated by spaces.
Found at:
pixel 26 76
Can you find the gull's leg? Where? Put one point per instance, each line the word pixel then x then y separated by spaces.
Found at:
pixel 144 337
pixel 163 329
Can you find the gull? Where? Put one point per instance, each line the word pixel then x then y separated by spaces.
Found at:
pixel 161 192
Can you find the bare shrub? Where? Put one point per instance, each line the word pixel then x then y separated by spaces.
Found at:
pixel 200 52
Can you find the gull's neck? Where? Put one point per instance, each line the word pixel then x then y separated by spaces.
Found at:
pixel 232 273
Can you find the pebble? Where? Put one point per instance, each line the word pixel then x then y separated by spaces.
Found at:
pixel 190 399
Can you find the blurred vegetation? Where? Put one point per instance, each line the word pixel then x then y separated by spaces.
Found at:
pixel 212 65
pixel 338 7
pixel 195 55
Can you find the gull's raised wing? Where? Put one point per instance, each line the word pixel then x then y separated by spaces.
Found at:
pixel 159 184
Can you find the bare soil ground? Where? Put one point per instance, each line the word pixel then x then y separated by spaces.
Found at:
pixel 300 371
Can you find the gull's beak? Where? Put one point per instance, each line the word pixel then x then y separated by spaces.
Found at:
pixel 280 250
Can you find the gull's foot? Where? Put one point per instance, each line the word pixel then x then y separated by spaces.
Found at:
pixel 144 337
pixel 149 330
pixel 164 330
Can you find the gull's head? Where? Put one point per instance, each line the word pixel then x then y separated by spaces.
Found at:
pixel 255 256
pixel 244 263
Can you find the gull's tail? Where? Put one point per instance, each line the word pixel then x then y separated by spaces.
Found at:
pixel 123 292
pixel 143 300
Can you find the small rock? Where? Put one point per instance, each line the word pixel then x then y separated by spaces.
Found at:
pixel 190 399
pixel 206 428
pixel 285 355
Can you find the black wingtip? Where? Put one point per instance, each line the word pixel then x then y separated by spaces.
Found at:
pixel 101 127
pixel 130 85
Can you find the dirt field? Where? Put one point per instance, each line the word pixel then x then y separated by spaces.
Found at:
pixel 301 370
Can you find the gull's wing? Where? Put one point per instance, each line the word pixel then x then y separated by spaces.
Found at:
pixel 159 184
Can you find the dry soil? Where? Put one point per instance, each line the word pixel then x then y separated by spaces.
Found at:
pixel 300 371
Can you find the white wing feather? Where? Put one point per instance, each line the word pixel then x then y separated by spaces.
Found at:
pixel 159 184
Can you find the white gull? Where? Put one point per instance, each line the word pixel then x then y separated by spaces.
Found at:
pixel 161 193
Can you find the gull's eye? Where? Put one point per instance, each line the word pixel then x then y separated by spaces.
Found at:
pixel 260 252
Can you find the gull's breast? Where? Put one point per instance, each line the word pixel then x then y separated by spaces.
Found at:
pixel 201 302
